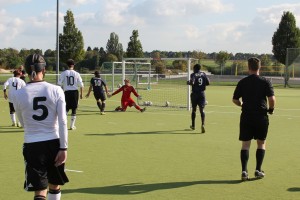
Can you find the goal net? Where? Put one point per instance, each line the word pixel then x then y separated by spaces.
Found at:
pixel 292 71
pixel 161 83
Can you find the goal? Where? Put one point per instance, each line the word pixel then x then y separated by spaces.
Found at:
pixel 292 70
pixel 167 89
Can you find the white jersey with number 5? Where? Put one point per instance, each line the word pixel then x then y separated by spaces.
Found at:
pixel 70 80
pixel 41 109
pixel 14 84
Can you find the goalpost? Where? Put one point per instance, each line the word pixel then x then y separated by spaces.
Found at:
pixel 114 73
pixel 159 90
pixel 292 70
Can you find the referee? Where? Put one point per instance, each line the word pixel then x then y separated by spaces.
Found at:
pixel 257 100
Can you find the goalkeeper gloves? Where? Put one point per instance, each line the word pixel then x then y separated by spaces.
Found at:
pixel 271 111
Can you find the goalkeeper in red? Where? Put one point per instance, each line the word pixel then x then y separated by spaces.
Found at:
pixel 198 81
pixel 126 100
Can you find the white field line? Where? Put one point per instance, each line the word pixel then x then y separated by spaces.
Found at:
pixel 71 170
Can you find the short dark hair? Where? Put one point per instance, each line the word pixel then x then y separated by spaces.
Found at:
pixel 34 62
pixel 17 72
pixel 70 62
pixel 254 63
pixel 97 74
pixel 197 67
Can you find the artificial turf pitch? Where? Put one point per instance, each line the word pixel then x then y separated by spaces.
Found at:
pixel 155 156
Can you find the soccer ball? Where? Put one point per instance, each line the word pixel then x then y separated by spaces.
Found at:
pixel 167 104
pixel 145 103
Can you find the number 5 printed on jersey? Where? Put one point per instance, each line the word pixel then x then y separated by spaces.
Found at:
pixel 37 106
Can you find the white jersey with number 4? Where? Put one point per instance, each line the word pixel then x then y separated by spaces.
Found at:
pixel 41 109
pixel 14 84
pixel 70 80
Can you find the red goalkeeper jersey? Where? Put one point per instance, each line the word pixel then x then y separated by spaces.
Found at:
pixel 126 92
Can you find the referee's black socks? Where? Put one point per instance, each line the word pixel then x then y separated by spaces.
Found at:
pixel 260 154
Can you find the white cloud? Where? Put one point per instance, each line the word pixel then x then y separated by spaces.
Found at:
pixel 6 2
pixel 114 12
pixel 194 7
pixel 274 13
pixel 77 2
pixel 192 32
pixel 118 13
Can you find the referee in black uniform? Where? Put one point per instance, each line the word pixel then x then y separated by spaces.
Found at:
pixel 256 93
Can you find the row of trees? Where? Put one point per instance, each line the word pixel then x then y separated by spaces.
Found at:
pixel 71 45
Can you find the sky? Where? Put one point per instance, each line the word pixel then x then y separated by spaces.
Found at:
pixel 235 26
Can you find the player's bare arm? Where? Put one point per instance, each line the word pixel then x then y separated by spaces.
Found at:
pixel 237 102
pixel 88 94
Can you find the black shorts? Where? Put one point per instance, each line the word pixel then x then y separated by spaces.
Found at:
pixel 11 107
pixel 72 97
pixel 253 127
pixel 39 165
pixel 99 95
pixel 198 99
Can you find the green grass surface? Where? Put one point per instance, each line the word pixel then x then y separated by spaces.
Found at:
pixel 155 156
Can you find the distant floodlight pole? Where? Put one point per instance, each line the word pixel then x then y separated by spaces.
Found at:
pixel 57 40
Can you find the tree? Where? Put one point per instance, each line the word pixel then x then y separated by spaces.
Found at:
pixel 221 59
pixel 286 36
pixel 111 58
pixel 49 53
pixel 71 43
pixel 114 47
pixel 134 49
pixel 265 60
pixel 198 55
pixel 102 56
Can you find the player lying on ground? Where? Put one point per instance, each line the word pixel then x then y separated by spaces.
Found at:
pixel 126 100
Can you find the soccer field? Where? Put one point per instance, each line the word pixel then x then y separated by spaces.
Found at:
pixel 155 156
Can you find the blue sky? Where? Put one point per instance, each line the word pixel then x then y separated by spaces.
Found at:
pixel 168 25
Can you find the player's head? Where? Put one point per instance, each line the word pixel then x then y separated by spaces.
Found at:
pixel 17 73
pixel 21 67
pixel 34 64
pixel 126 81
pixel 70 63
pixel 97 74
pixel 197 68
pixel 254 64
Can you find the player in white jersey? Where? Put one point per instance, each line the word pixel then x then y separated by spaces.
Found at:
pixel 14 83
pixel 40 107
pixel 71 80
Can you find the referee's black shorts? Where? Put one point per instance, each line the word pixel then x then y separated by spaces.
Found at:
pixel 72 97
pixel 254 126
pixel 39 165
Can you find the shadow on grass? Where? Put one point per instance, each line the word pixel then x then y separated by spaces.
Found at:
pixel 187 131
pixel 88 111
pixel 294 189
pixel 139 188
pixel 10 129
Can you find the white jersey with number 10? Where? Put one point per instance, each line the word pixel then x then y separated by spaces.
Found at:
pixel 70 80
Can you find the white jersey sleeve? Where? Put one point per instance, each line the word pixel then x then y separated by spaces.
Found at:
pixel 14 84
pixel 40 106
pixel 70 80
